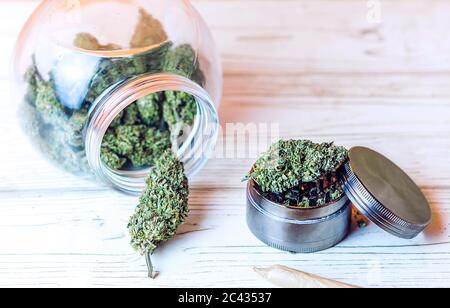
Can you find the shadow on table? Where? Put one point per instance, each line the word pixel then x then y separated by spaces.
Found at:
pixel 435 229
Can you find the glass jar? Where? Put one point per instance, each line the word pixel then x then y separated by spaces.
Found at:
pixel 105 86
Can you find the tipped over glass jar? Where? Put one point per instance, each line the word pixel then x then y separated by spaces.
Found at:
pixel 105 87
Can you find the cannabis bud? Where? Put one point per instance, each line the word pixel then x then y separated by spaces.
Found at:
pixel 89 42
pixel 179 112
pixel 149 31
pixel 147 128
pixel 163 207
pixel 183 60
pixel 300 173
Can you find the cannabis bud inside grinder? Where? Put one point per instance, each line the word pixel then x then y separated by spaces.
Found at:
pixel 373 184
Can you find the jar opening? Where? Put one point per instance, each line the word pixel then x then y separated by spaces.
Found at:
pixel 193 150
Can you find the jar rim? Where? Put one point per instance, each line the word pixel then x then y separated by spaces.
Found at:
pixel 194 152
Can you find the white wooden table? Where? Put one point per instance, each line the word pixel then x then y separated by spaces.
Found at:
pixel 321 70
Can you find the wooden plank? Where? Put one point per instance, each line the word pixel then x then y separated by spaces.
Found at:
pixel 296 38
pixel 86 243
pixel 271 83
pixel 330 36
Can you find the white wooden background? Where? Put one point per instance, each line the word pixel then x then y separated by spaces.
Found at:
pixel 317 67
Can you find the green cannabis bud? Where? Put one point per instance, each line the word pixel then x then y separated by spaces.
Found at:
pixel 149 31
pixel 50 109
pixel 147 128
pixel 32 77
pixel 136 144
pixel 183 60
pixel 300 172
pixel 179 112
pixel 150 109
pixel 89 42
pixel 131 115
pixel 153 145
pixel 56 130
pixel 163 207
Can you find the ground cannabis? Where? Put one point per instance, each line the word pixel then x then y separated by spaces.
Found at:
pixel 57 109
pixel 300 173
pixel 163 207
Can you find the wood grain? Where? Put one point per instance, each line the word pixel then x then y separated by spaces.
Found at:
pixel 315 67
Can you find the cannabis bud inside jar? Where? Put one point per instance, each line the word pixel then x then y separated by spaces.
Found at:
pixel 110 95
pixel 300 173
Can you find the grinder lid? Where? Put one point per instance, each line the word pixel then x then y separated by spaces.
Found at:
pixel 385 194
